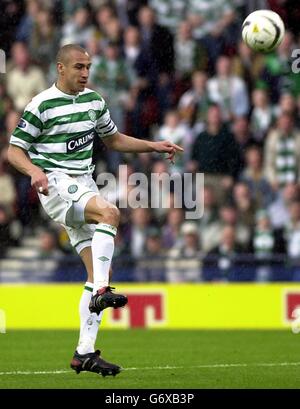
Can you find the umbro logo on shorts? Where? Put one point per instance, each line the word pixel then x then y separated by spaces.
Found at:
pixel 81 141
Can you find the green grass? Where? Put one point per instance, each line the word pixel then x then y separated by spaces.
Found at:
pixel 186 351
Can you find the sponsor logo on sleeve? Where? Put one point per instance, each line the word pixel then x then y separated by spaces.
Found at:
pixel 22 124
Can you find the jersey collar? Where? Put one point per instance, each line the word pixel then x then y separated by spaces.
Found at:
pixel 63 94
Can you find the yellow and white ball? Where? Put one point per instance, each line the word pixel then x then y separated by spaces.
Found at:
pixel 263 30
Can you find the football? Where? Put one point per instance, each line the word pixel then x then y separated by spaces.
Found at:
pixel 263 30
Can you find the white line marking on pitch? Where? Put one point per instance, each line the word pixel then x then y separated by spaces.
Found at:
pixel 58 372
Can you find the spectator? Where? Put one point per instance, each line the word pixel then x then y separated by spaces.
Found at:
pixel 69 7
pixel 6 236
pixel 293 229
pixel 50 263
pixel 277 75
pixel 26 24
pixel 189 54
pixel 228 91
pixel 176 132
pixel 229 216
pixel 287 104
pixel 103 15
pixel 209 223
pixel 212 23
pixel 169 13
pixel 44 40
pixel 253 176
pixel 112 33
pixel 78 29
pixel 171 228
pixel 161 189
pixel 112 78
pixel 6 106
pixel 267 243
pixel 140 222
pixel 215 152
pixel 292 235
pixel 8 191
pixel 278 209
pixel 151 266
pixel 10 17
pixel 152 34
pixel 49 244
pixel 282 153
pixel 24 80
pixel 242 135
pixel 244 204
pixel 224 262
pixel 262 115
pixel 132 50
pixel 247 64
pixel 184 263
pixel 194 103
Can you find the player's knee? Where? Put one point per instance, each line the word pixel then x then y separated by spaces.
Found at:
pixel 111 215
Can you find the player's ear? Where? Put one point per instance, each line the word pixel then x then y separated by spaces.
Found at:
pixel 60 67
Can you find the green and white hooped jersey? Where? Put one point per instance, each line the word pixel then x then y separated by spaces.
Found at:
pixel 58 129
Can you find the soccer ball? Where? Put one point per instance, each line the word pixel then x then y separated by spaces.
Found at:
pixel 263 30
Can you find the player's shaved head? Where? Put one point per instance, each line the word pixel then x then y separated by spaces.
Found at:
pixel 73 64
pixel 64 53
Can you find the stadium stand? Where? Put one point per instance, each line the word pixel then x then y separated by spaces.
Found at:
pixel 175 70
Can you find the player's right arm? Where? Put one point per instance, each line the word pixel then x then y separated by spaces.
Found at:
pixel 20 160
pixel 28 129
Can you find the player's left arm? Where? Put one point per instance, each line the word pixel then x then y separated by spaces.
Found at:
pixel 124 143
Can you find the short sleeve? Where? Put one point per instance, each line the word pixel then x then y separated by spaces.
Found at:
pixel 105 125
pixel 29 127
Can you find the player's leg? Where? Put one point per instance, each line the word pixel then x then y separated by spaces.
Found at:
pixel 106 217
pixel 89 322
pixel 85 357
pixel 65 204
pixel 86 256
pixel 85 345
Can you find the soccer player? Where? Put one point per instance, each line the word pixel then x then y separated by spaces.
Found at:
pixel 53 144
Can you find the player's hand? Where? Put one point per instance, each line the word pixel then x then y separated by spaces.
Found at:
pixel 167 147
pixel 39 180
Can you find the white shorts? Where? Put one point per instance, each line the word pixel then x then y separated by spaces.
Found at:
pixel 65 204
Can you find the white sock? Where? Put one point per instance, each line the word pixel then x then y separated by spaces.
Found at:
pixel 89 323
pixel 103 245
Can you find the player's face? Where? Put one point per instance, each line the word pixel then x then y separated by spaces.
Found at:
pixel 76 71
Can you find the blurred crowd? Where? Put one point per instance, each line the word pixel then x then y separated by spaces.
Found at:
pixel 176 70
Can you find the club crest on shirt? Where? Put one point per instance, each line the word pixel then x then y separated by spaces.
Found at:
pixel 92 115
pixel 72 189
pixel 22 124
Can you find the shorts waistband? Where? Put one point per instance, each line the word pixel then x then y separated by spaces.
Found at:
pixel 88 171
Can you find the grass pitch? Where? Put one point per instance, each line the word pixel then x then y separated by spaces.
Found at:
pixel 154 359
